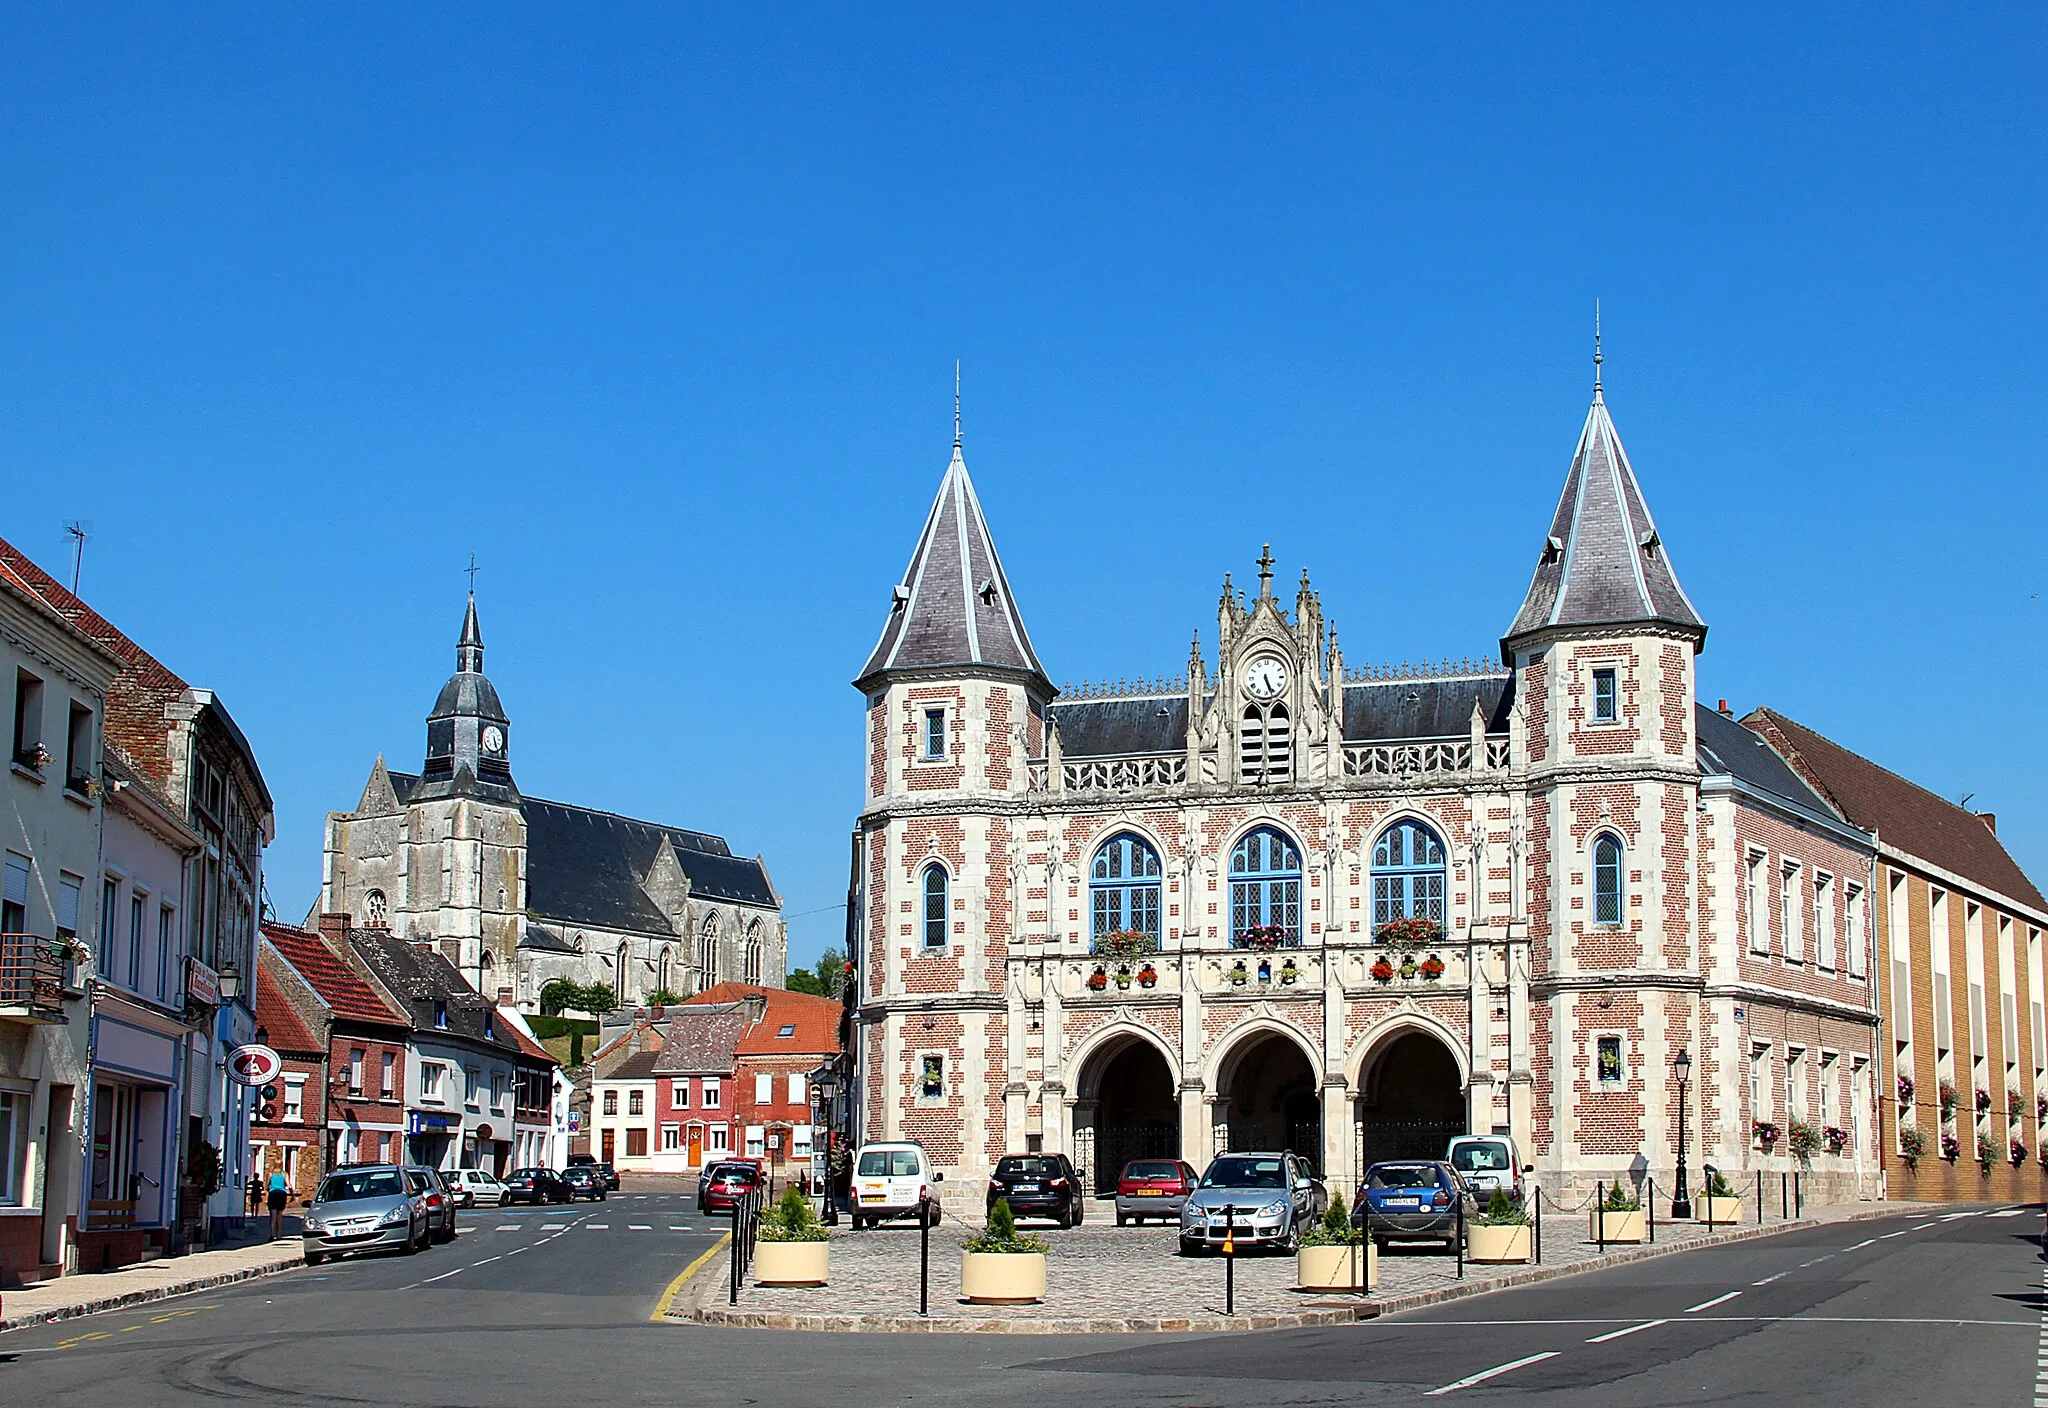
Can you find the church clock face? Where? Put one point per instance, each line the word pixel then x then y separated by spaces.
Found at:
pixel 493 739
pixel 1266 678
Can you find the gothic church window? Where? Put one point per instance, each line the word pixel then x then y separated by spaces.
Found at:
pixel 376 911
pixel 662 973
pixel 1123 888
pixel 752 971
pixel 935 888
pixel 1607 882
pixel 1265 888
pixel 707 952
pixel 1407 874
pixel 619 973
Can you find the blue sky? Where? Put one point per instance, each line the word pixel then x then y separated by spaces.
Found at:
pixel 656 312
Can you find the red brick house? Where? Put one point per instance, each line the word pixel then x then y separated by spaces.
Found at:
pixel 771 1105
pixel 365 1039
pixel 288 1122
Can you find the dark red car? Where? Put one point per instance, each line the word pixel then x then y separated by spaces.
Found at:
pixel 725 1185
pixel 1150 1188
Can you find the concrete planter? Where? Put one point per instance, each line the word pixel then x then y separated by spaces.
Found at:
pixel 1727 1211
pixel 1337 1268
pixel 1506 1243
pixel 791 1263
pixel 1002 1278
pixel 1619 1226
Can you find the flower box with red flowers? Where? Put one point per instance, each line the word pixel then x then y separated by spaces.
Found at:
pixel 1098 980
pixel 1432 968
pixel 1265 938
pixel 1382 970
pixel 1836 1136
pixel 1766 1133
pixel 1148 976
pixel 1409 931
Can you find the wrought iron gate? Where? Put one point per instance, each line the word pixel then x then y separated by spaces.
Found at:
pixel 1117 1144
pixel 1380 1140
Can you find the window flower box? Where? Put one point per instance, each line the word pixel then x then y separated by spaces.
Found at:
pixel 1432 968
pixel 1123 979
pixel 1905 1090
pixel 1983 1100
pixel 1239 974
pixel 1409 931
pixel 1951 1147
pixel 1766 1134
pixel 2017 1152
pixel 1912 1146
pixel 1289 974
pixel 1382 970
pixel 1148 977
pixel 1098 980
pixel 1837 1138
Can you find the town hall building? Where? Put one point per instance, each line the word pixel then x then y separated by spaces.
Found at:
pixel 1283 902
pixel 516 891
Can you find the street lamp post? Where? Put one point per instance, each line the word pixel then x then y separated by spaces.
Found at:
pixel 1681 1200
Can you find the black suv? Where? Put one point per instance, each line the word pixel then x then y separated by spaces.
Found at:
pixel 1039 1185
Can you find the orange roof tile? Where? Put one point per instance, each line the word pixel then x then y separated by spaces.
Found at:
pixel 816 1020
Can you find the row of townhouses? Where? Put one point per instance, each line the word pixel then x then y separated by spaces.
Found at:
pixel 133 841
pixel 390 1055
pixel 1282 901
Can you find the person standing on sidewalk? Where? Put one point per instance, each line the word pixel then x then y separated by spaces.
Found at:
pixel 280 1192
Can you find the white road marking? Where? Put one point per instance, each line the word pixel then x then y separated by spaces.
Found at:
pixel 509 1227
pixel 2007 1212
pixel 442 1277
pixel 1768 1279
pixel 678 1229
pixel 1746 1320
pixel 1710 1304
pixel 518 1251
pixel 486 1261
pixel 1861 1245
pixel 1817 1261
pixel 1617 1334
pixel 1951 1217
pixel 1886 1237
pixel 639 1227
pixel 598 1227
pixel 1494 1372
pixel 556 1227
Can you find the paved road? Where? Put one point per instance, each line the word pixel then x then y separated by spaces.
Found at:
pixel 1918 1307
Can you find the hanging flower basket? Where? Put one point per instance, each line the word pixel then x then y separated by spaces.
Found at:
pixel 2017 1153
pixel 2041 1107
pixel 1983 1100
pixel 1951 1147
pixel 1098 980
pixel 1905 1090
pixel 1123 978
pixel 1803 1140
pixel 1912 1146
pixel 1836 1136
pixel 1264 939
pixel 1125 944
pixel 1148 977
pixel 1409 967
pixel 1289 974
pixel 1409 931
pixel 1240 975
pixel 1766 1134
pixel 1432 968
pixel 1948 1098
pixel 1987 1150
pixel 1382 970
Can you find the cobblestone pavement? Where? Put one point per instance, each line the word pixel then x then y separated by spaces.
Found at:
pixel 1100 1271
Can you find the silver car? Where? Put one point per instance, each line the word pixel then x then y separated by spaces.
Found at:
pixel 1259 1199
pixel 370 1207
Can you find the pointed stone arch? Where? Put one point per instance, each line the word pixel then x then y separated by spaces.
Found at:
pixel 1125 1103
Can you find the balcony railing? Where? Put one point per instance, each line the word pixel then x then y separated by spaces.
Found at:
pixel 31 977
pixel 1363 763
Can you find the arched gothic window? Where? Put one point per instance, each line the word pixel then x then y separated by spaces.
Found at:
pixel 1607 881
pixel 1123 888
pixel 663 970
pixel 624 990
pixel 707 953
pixel 1407 874
pixel 753 959
pixel 376 910
pixel 1265 887
pixel 935 891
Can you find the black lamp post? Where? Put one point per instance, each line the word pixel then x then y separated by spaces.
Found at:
pixel 1681 1200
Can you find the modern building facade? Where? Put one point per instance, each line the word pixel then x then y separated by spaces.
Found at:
pixel 1281 901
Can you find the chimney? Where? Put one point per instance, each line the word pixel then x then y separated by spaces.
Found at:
pixel 1990 819
pixel 1725 711
pixel 756 1007
pixel 334 929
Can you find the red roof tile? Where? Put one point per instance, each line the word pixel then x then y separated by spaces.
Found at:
pixel 334 980
pixel 816 1020
pixel 276 1019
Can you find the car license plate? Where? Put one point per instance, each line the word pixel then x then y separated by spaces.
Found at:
pixel 1409 1204
pixel 871 1197
pixel 1148 1193
pixel 1026 1188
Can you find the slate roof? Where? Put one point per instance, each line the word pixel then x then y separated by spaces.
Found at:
pixel 816 1020
pixel 585 867
pixel 1728 749
pixel 1374 711
pixel 954 605
pixel 425 981
pixel 702 1039
pixel 1603 561
pixel 638 1066
pixel 339 986
pixel 1905 816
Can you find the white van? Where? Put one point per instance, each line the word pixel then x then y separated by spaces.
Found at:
pixel 1487 1162
pixel 893 1180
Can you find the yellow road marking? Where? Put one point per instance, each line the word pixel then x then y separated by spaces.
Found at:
pixel 661 1306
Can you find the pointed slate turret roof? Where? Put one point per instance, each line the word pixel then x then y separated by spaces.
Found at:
pixel 1603 562
pixel 954 605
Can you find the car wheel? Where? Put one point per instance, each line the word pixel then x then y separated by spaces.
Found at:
pixel 411 1245
pixel 1188 1248
pixel 1121 1220
pixel 315 1258
pixel 1381 1244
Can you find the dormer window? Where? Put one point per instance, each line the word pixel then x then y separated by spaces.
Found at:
pixel 1606 698
pixel 934 740
pixel 440 1014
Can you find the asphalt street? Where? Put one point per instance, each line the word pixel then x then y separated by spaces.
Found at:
pixel 1934 1305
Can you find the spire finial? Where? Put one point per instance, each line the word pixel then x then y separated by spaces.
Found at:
pixel 956 403
pixel 1266 572
pixel 472 574
pixel 1597 359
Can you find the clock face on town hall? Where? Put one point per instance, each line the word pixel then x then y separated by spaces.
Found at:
pixel 1266 678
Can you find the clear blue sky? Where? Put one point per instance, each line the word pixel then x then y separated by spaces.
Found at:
pixel 657 313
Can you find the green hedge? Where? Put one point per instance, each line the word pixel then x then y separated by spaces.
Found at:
pixel 545 1027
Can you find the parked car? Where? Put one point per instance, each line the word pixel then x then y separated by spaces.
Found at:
pixel 610 1175
pixel 1487 1162
pixel 1412 1200
pixel 366 1207
pixel 1039 1185
pixel 724 1184
pixel 893 1180
pixel 1264 1198
pixel 1149 1188
pixel 535 1185
pixel 476 1188
pixel 433 1189
pixel 585 1181
pixel 579 1161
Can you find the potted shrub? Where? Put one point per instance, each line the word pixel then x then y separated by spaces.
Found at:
pixel 1289 974
pixel 1499 1234
pixel 1002 1266
pixel 1148 977
pixel 1382 970
pixel 1432 968
pixel 1335 1256
pixel 1721 1203
pixel 1619 1218
pixel 1239 974
pixel 794 1248
pixel 1803 1139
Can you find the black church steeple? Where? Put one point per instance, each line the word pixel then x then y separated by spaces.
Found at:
pixel 468 735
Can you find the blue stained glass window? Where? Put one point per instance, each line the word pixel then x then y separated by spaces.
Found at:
pixel 1407 874
pixel 1607 881
pixel 1265 886
pixel 1123 887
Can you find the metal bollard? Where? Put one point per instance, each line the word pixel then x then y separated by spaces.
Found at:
pixel 1650 1208
pixel 1784 1197
pixel 1537 1236
pixel 734 1292
pixel 1798 1198
pixel 924 1257
pixel 1229 1260
pixel 1461 1235
pixel 1759 1197
pixel 1600 1215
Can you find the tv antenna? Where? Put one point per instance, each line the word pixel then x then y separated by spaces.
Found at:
pixel 78 530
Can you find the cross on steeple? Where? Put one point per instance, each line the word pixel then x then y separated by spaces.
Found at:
pixel 472 574
pixel 1266 573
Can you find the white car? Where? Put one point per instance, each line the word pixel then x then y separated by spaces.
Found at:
pixel 893 1180
pixel 477 1188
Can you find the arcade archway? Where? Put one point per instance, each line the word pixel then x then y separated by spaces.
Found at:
pixel 1411 1102
pixel 1268 1090
pixel 1127 1109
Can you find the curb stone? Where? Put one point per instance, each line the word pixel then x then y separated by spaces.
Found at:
pixel 145 1295
pixel 696 1312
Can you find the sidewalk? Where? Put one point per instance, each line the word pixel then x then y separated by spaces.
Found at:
pixel 88 1293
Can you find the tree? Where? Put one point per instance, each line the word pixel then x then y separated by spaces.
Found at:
pixel 557 993
pixel 828 979
pixel 662 997
pixel 598 999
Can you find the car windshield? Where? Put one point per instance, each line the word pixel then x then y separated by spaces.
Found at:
pixel 1246 1173
pixel 743 1173
pixel 1152 1171
pixel 348 1187
pixel 1480 1158
pixel 1028 1168
pixel 889 1163
pixel 1401 1176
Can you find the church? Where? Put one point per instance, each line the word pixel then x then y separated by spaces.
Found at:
pixel 1282 901
pixel 516 891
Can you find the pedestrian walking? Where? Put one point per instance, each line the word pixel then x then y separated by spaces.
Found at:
pixel 280 1192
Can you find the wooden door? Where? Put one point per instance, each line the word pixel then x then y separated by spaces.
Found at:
pixel 611 1144
pixel 696 1147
